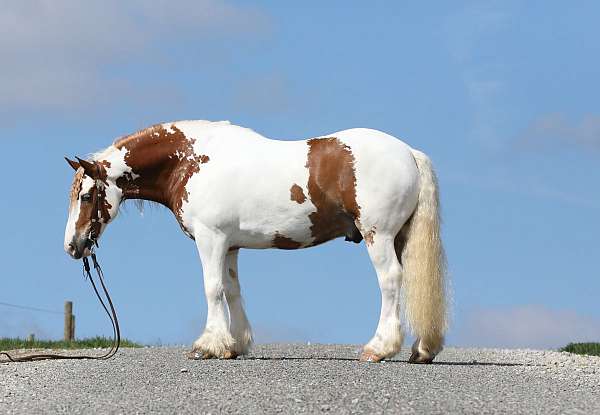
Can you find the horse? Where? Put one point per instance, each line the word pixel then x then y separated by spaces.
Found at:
pixel 231 188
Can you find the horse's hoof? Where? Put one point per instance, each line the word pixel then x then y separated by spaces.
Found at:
pixel 417 357
pixel 230 355
pixel 368 356
pixel 194 355
pixel 198 355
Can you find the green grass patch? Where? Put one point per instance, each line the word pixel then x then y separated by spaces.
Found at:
pixel 90 343
pixel 591 349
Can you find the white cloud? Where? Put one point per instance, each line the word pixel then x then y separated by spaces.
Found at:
pixel 68 54
pixel 469 27
pixel 556 129
pixel 470 34
pixel 528 326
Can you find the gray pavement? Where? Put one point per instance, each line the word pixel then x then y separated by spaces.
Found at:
pixel 294 379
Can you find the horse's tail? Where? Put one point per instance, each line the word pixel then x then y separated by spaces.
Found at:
pixel 424 264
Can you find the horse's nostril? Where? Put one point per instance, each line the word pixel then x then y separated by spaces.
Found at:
pixel 71 246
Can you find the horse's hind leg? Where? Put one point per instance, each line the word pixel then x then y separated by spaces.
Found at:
pixel 388 338
pixel 238 322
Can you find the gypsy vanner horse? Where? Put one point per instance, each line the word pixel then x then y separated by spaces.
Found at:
pixel 231 188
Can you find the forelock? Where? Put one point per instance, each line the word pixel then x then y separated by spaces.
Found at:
pixel 76 186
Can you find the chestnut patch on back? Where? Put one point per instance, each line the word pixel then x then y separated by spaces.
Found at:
pixel 283 242
pixel 297 194
pixel 165 160
pixel 332 189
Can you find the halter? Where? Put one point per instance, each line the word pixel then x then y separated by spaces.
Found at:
pixel 96 219
pixel 92 240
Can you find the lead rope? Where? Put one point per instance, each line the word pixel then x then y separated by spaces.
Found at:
pixel 112 315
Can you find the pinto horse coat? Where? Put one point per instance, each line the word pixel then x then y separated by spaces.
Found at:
pixel 231 188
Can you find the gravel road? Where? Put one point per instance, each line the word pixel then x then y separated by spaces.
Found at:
pixel 282 378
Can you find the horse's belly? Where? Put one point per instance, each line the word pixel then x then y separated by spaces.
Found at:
pixel 279 218
pixel 293 232
pixel 279 226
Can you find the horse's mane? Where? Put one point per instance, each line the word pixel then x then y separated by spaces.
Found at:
pixel 146 132
pixel 140 205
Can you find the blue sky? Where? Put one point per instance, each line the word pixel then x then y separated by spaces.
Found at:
pixel 502 95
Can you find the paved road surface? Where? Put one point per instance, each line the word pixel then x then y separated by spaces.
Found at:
pixel 306 379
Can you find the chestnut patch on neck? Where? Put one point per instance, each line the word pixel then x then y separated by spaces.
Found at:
pixel 164 160
pixel 283 242
pixel 297 194
pixel 331 188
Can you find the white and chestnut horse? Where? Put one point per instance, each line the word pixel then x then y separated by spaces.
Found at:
pixel 231 188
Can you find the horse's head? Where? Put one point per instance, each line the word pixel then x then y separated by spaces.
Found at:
pixel 95 200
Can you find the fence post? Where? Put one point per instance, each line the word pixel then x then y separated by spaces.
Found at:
pixel 68 332
pixel 72 326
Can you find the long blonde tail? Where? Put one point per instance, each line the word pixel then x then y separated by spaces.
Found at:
pixel 424 262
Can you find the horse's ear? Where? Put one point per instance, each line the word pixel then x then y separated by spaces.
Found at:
pixel 73 164
pixel 88 167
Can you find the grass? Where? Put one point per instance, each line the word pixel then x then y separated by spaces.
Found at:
pixel 90 343
pixel 590 349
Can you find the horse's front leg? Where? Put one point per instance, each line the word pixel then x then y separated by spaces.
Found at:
pixel 216 341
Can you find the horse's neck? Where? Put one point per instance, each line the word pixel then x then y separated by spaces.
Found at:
pixel 156 165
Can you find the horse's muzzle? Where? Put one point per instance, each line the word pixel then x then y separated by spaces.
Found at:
pixel 78 250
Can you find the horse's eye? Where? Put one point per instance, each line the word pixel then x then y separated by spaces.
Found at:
pixel 86 197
